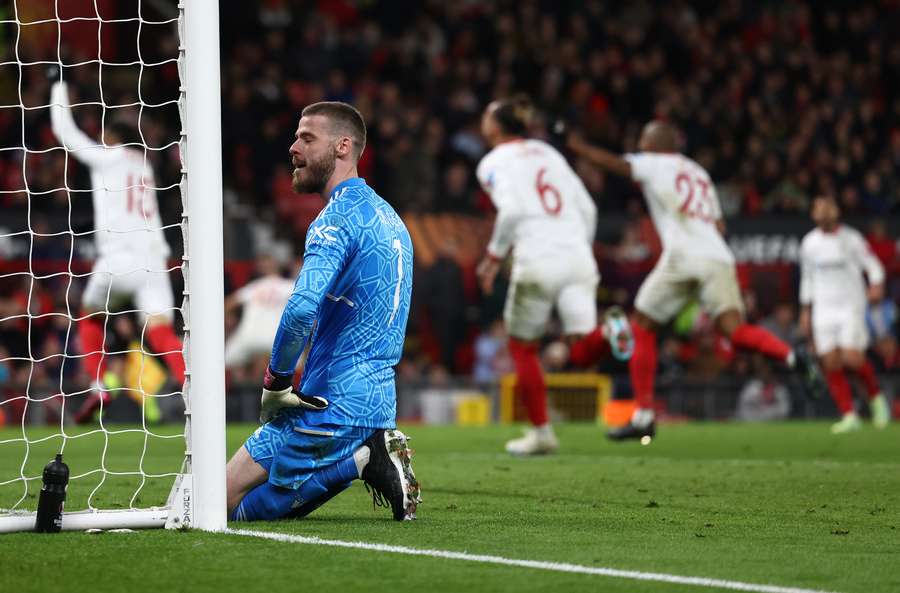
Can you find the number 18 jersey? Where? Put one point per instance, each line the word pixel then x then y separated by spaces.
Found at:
pixel 683 204
pixel 544 211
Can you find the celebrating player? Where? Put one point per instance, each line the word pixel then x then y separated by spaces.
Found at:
pixel 262 301
pixel 547 218
pixel 695 262
pixel 131 247
pixel 354 288
pixel 833 258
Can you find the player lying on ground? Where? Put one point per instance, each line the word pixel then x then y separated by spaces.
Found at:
pixel 349 308
pixel 546 217
pixel 131 247
pixel 695 262
pixel 833 258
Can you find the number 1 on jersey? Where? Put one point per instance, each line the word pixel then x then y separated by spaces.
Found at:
pixel 399 247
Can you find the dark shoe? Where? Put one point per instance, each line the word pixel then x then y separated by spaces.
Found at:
pixel 389 474
pixel 806 366
pixel 630 431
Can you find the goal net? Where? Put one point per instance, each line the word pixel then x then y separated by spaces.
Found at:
pixel 111 347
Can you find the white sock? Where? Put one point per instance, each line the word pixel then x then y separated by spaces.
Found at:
pixel 643 417
pixel 791 360
pixel 361 457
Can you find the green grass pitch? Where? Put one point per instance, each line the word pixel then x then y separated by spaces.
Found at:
pixel 783 504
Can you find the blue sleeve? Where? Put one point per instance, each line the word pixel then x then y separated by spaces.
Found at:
pixel 328 245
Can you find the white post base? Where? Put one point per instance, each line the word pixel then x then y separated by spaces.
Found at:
pixel 81 520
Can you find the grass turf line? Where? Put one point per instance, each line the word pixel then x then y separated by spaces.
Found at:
pixel 784 504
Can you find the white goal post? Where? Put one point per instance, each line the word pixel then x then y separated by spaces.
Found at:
pixel 197 497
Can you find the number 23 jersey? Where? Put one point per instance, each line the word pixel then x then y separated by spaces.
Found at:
pixel 544 211
pixel 683 203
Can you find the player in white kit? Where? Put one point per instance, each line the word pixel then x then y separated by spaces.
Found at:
pixel 132 250
pixel 695 263
pixel 547 220
pixel 262 302
pixel 833 294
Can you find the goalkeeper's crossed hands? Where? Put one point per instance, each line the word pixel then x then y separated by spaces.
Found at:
pixel 278 393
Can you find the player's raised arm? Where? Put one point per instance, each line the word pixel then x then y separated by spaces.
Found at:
pixel 79 144
pixel 600 157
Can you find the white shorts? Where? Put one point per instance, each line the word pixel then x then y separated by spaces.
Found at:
pixel 143 278
pixel 678 278
pixel 244 344
pixel 843 329
pixel 570 286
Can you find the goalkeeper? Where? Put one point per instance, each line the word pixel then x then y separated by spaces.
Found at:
pixel 348 310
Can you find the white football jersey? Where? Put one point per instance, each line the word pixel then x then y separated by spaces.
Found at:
pixel 543 209
pixel 832 267
pixel 263 302
pixel 126 216
pixel 683 203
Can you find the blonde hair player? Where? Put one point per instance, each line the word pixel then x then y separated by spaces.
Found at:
pixel 833 294
pixel 547 220
pixel 695 263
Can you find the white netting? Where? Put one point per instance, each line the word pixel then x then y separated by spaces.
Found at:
pixel 121 62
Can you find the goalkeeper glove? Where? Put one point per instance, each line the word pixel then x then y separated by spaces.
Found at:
pixel 278 393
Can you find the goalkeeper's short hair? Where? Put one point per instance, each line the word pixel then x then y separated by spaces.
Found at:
pixel 345 120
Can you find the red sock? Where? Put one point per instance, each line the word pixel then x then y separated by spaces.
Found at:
pixel 840 390
pixel 164 342
pixel 753 337
pixel 642 366
pixel 90 334
pixel 590 349
pixel 530 380
pixel 867 374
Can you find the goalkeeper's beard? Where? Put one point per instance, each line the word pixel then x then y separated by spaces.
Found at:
pixel 313 178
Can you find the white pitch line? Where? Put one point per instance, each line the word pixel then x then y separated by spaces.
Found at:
pixel 536 564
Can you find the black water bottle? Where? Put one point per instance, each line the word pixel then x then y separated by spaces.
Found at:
pixel 53 496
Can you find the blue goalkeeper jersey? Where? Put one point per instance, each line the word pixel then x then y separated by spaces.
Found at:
pixel 352 300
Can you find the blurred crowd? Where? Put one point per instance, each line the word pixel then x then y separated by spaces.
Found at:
pixel 780 101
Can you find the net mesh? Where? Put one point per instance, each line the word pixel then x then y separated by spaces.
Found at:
pixel 122 65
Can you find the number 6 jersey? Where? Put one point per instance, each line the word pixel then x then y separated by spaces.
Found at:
pixel 543 209
pixel 683 204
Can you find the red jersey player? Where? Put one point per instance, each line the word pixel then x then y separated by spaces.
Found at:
pixel 695 262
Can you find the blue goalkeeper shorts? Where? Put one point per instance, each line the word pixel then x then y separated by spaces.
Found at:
pixel 291 449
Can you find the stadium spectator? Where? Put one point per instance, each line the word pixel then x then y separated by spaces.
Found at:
pixel 491 355
pixel 783 322
pixel 762 398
